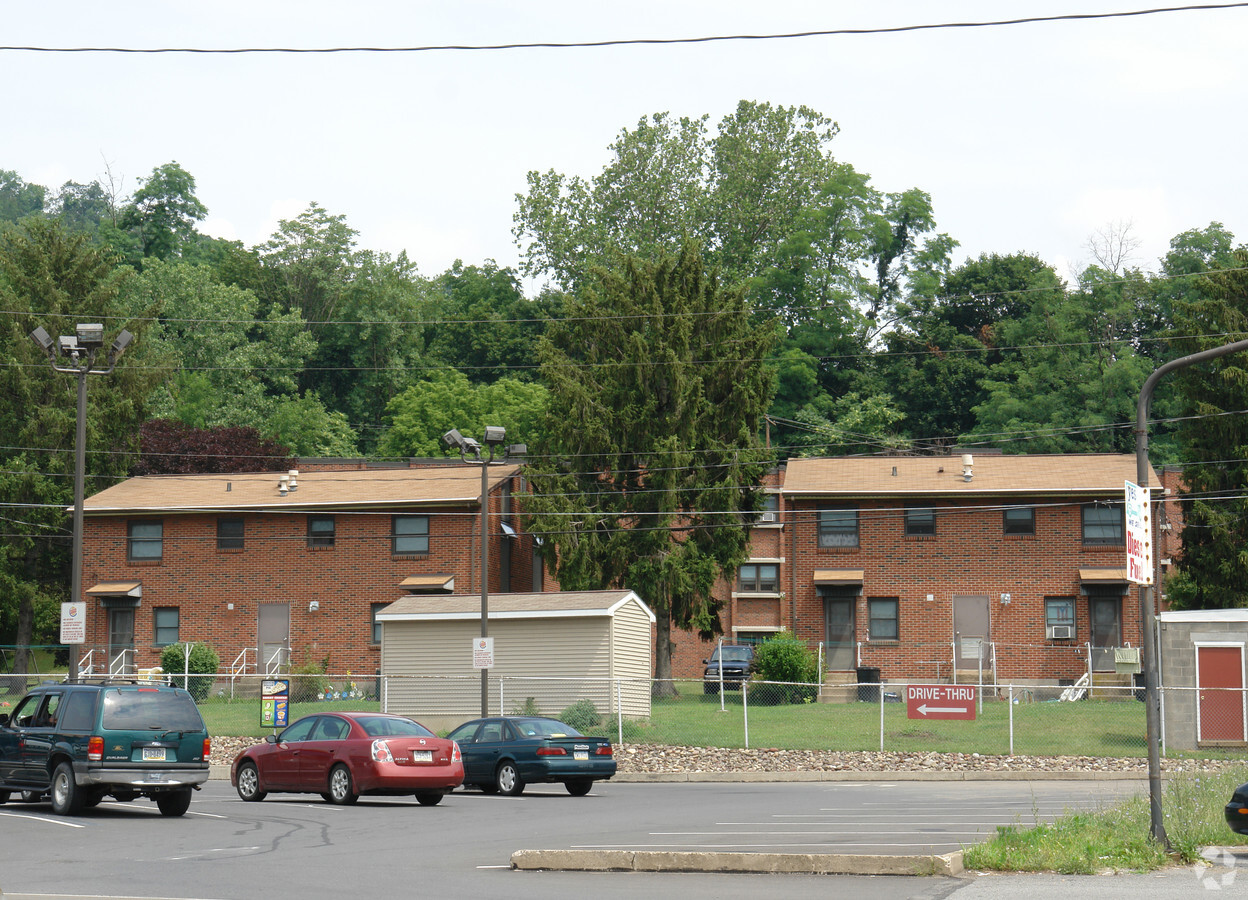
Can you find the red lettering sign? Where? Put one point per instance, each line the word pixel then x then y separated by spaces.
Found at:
pixel 941 701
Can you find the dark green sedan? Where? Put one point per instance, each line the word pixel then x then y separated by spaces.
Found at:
pixel 504 753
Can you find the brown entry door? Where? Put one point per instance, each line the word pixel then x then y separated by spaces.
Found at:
pixel 121 641
pixel 839 627
pixel 273 638
pixel 1106 617
pixel 1220 684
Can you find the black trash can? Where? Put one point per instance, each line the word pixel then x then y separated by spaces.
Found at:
pixel 869 684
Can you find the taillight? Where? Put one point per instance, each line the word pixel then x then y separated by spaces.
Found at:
pixel 95 748
pixel 207 749
pixel 604 750
pixel 455 757
pixel 551 751
pixel 381 752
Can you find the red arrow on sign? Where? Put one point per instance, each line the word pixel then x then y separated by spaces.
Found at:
pixel 940 701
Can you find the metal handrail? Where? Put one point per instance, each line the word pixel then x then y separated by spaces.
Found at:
pixel 120 664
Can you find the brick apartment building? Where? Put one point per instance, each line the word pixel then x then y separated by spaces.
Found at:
pixel 288 567
pixel 917 566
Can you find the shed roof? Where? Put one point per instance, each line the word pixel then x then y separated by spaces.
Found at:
pixel 1204 615
pixel 548 605
pixel 258 491
pixel 1082 474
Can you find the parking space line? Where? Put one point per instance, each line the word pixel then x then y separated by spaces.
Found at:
pixel 10 815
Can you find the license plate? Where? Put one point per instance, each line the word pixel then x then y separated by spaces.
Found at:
pixel 581 754
pixel 153 754
pixel 422 756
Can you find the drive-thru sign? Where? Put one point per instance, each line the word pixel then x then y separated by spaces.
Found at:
pixel 940 701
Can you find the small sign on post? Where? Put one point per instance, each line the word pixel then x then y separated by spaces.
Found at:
pixel 274 702
pixel 940 701
pixel 73 623
pixel 1139 534
pixel 483 653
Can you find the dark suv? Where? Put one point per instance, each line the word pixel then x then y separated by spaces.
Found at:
pixel 736 661
pixel 83 741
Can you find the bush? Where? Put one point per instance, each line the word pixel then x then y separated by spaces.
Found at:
pixel 785 659
pixel 581 715
pixel 203 662
pixel 308 682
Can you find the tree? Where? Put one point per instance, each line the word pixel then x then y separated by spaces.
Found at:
pixel 647 469
pixel 18 198
pixel 163 211
pixel 50 277
pixel 170 447
pixel 1213 438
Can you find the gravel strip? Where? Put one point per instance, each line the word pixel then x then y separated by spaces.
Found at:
pixel 662 759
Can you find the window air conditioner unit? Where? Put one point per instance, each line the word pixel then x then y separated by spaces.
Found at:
pixel 767 517
pixel 1061 632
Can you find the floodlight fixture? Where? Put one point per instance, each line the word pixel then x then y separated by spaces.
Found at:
pixel 41 337
pixel 453 439
pixel 67 345
pixel 90 335
pixel 120 343
pixel 495 435
pixel 516 450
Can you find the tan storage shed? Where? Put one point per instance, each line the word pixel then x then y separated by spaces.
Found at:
pixel 550 650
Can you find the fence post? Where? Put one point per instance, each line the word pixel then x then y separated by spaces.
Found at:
pixel 881 689
pixel 502 686
pixel 186 666
pixel 1011 698
pixel 745 710
pixel 619 709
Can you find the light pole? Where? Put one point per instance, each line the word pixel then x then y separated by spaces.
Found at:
pixel 78 354
pixel 494 438
pixel 1152 707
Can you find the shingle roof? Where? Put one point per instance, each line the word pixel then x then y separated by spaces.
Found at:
pixel 548 605
pixel 1092 474
pixel 356 489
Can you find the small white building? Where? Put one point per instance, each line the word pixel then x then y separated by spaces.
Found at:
pixel 549 651
pixel 1202 667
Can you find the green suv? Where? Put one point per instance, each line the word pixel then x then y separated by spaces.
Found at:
pixel 80 742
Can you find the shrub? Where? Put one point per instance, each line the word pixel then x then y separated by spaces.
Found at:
pixel 581 715
pixel 527 708
pixel 308 682
pixel 202 663
pixel 785 659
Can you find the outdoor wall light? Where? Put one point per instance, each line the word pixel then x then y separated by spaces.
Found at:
pixel 314 606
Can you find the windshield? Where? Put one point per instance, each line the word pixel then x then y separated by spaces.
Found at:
pixel 383 726
pixel 148 709
pixel 544 728
pixel 733 654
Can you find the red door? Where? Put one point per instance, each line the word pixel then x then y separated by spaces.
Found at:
pixel 1220 684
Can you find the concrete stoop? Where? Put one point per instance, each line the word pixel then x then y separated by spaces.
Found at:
pixel 756 863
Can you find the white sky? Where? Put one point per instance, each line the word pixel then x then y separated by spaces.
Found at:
pixel 1028 137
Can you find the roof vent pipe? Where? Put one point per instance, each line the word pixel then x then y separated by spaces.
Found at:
pixel 294 479
pixel 283 484
pixel 967 462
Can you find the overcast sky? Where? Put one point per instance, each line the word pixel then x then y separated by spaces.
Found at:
pixel 1028 137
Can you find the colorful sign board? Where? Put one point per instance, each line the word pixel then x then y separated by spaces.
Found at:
pixel 1139 534
pixel 941 701
pixel 73 623
pixel 275 702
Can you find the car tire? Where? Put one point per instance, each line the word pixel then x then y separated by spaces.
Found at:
pixel 66 797
pixel 429 798
pixel 580 787
pixel 507 779
pixel 248 783
pixel 92 799
pixel 174 803
pixel 341 790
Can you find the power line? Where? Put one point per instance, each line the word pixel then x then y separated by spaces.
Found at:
pixel 627 42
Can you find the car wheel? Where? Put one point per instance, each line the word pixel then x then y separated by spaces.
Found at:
pixel 174 803
pixel 66 798
pixel 341 792
pixel 507 779
pixel 429 798
pixel 579 788
pixel 248 786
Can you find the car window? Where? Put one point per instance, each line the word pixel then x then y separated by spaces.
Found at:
pixel 24 715
pixel 544 728
pixel 464 732
pixel 381 726
pixel 491 731
pixel 78 713
pixel 47 715
pixel 299 731
pixel 149 709
pixel 330 728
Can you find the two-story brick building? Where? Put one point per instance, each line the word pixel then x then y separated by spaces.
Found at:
pixel 288 568
pixel 942 567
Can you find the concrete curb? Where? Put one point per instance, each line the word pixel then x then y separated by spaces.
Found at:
pixel 748 863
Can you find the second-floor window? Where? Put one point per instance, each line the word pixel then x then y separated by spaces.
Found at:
pixel 229 533
pixel 410 535
pixel 1102 524
pixel 838 527
pixel 145 539
pixel 920 520
pixel 762 578
pixel 1018 520
pixel 320 531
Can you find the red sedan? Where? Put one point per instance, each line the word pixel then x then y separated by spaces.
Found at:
pixel 342 755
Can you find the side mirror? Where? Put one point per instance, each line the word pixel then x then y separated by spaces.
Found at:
pixel 4 718
pixel 706 662
pixel 270 739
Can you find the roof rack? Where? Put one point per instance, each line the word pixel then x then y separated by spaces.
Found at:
pixel 114 679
